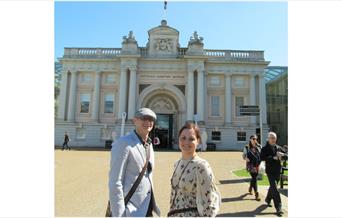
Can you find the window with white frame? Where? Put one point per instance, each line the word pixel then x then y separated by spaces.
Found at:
pixel 109 103
pixel 80 133
pixel 241 136
pixel 215 105
pixel 85 102
pixel 239 101
pixel 109 78
pixel 216 136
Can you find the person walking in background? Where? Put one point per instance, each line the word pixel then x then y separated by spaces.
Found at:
pixel 193 189
pixel 251 155
pixel 272 154
pixel 66 141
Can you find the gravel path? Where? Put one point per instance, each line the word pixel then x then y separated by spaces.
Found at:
pixel 81 179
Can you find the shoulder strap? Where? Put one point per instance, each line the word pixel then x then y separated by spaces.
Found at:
pixel 138 180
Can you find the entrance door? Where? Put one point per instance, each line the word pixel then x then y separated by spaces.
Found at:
pixel 163 130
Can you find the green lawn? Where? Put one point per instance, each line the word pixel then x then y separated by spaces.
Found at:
pixel 244 173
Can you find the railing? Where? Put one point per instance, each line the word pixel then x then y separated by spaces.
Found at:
pixel 91 52
pixel 212 54
pixel 238 55
pixel 182 51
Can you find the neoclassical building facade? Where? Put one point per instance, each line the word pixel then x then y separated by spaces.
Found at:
pixel 179 83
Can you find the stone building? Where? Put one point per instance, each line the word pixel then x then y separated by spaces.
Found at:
pixel 178 83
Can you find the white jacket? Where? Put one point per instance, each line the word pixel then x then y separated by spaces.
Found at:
pixel 128 157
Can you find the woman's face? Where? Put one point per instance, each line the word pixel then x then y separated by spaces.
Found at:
pixel 188 141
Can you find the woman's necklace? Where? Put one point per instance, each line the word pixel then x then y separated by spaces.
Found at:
pixel 177 186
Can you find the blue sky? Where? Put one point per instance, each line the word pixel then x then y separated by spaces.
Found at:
pixel 224 25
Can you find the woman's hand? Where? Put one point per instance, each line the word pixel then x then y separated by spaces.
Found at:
pixel 247 160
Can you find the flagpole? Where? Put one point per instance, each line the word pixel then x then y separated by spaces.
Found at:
pixel 165 7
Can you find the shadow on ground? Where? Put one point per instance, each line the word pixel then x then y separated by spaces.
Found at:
pixel 84 148
pixel 258 211
pixel 284 192
pixel 234 181
pixel 239 198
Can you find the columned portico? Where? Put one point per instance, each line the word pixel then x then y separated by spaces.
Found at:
pixel 99 84
pixel 228 99
pixel 96 97
pixel 72 97
pixel 122 91
pixel 200 94
pixel 132 93
pixel 190 96
pixel 252 95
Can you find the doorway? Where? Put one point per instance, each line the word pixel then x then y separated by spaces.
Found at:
pixel 163 129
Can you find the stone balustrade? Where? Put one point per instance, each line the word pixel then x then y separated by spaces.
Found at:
pixel 91 52
pixel 237 55
pixel 212 54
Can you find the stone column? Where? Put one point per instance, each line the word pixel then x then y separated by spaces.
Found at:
pixel 122 91
pixel 252 96
pixel 62 96
pixel 262 98
pixel 132 92
pixel 96 97
pixel 228 99
pixel 200 95
pixel 190 96
pixel 72 97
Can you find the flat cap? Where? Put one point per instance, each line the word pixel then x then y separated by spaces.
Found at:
pixel 145 112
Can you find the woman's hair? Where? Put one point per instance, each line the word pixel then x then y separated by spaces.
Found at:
pixel 190 125
pixel 252 136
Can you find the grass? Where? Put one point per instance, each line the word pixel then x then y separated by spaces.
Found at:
pixel 245 173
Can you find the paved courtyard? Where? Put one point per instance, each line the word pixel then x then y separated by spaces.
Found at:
pixel 81 179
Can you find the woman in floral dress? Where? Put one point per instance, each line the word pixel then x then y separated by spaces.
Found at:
pixel 193 189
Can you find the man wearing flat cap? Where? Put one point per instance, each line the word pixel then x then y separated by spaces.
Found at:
pixel 131 166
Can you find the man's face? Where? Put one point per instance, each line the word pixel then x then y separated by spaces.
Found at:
pixel 272 140
pixel 144 124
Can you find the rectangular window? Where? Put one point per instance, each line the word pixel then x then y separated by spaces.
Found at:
pixel 80 133
pixel 216 136
pixel 241 136
pixel 109 103
pixel 239 101
pixel 85 101
pixel 215 105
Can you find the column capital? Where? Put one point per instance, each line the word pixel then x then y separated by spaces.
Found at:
pixel 133 69
pixel 73 72
pixel 226 75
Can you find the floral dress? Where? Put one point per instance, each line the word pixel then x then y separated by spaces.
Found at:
pixel 193 186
